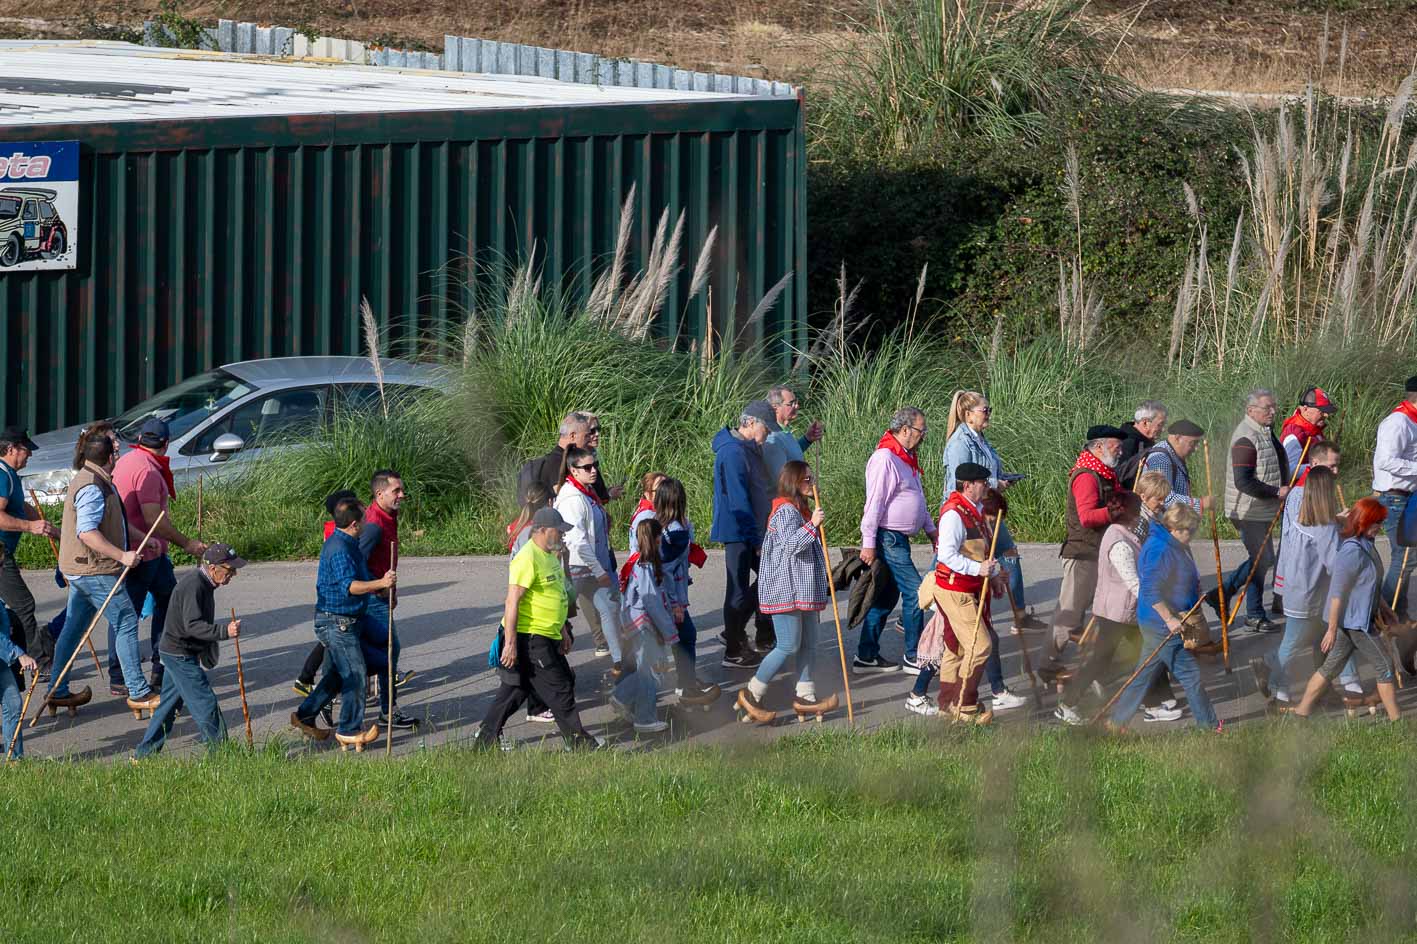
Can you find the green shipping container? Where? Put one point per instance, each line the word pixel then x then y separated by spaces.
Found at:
pixel 232 207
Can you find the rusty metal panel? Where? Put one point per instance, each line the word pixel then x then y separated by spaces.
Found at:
pixel 213 241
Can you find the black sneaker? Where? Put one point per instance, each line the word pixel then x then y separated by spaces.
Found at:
pixel 399 721
pixel 874 666
pixel 403 678
pixel 328 713
pixel 741 660
pixel 1263 625
pixel 303 688
pixel 118 691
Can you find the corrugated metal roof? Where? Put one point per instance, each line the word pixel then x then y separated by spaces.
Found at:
pixel 66 82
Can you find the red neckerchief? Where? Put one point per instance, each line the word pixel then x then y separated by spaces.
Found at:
pixel 628 570
pixel 164 464
pixel 1408 410
pixel 1302 429
pixel 972 516
pixel 513 531
pixel 1091 463
pixel 582 489
pixel 644 505
pixel 779 502
pixel 888 441
pixel 1303 478
pixel 329 529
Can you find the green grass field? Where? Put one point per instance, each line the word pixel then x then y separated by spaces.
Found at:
pixel 1270 833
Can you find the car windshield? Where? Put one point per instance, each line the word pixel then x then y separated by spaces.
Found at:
pixel 9 208
pixel 185 405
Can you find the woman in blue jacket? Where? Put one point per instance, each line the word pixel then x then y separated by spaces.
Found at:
pixel 969 417
pixel 1170 587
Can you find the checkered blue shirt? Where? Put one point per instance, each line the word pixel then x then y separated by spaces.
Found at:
pixel 340 563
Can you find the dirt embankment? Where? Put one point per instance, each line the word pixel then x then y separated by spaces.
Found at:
pixel 1235 45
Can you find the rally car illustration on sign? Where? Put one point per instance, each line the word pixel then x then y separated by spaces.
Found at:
pixel 30 226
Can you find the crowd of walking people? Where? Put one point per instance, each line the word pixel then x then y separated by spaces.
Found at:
pixel 1130 579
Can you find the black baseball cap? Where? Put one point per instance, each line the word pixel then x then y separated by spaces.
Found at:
pixel 154 432
pixel 19 436
pixel 1315 398
pixel 1185 428
pixel 223 554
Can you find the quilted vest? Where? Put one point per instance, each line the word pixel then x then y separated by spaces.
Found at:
pixel 1081 543
pixel 1244 507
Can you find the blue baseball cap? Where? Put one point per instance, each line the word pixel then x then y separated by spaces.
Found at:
pixel 154 432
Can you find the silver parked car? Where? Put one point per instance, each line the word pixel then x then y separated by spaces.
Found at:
pixel 229 416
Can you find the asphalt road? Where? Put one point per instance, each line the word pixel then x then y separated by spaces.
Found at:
pixel 449 608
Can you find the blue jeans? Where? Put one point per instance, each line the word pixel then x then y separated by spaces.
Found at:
pixel 183 682
pixel 1183 668
pixel 639 690
pixel 342 673
pixel 85 597
pixel 796 636
pixel 893 549
pixel 1013 567
pixel 1252 535
pixel 10 703
pixel 1301 633
pixel 993 665
pixel 686 652
pixel 1395 505
pixel 374 640
pixel 601 608
pixel 155 577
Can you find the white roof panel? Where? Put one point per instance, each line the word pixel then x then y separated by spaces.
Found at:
pixel 45 83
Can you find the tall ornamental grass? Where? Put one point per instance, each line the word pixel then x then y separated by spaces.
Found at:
pixel 926 72
pixel 1325 249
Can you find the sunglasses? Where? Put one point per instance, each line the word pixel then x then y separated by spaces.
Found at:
pixel 593 431
pixel 584 468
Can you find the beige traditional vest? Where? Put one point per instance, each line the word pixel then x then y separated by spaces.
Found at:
pixel 75 557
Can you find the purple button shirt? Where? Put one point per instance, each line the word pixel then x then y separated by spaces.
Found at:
pixel 895 499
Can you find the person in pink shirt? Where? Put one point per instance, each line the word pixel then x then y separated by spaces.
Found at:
pixel 895 512
pixel 143 478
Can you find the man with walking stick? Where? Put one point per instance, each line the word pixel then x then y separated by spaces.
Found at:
pixel 17 518
pixel 378 541
pixel 143 477
pixel 1254 497
pixel 94 556
pixel 190 645
pixel 1394 480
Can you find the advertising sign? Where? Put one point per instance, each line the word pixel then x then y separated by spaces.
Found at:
pixel 39 205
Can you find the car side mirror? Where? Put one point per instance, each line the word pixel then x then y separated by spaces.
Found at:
pixel 226 446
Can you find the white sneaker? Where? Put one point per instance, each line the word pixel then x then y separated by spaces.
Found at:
pixel 1067 715
pixel 1162 713
pixel 653 727
pixel 921 705
pixel 1169 704
pixel 546 717
pixel 1006 699
pixel 909 667
pixel 1097 690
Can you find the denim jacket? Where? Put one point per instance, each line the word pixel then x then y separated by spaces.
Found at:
pixel 968 446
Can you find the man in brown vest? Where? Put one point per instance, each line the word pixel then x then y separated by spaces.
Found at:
pixel 1092 482
pixel 93 552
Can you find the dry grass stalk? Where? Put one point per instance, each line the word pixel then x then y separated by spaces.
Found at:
pixel 371 343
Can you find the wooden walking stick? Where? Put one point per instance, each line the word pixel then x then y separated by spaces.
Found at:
pixel 29 692
pixel 836 612
pixel 978 616
pixel 1219 569
pixel 389 695
pixel 98 666
pixel 1259 551
pixel 1028 669
pixel 1397 595
pixel 199 506
pixel 59 678
pixel 241 684
pixel 1087 632
pixel 1118 693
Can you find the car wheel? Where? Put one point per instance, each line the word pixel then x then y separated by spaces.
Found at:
pixel 13 250
pixel 60 244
